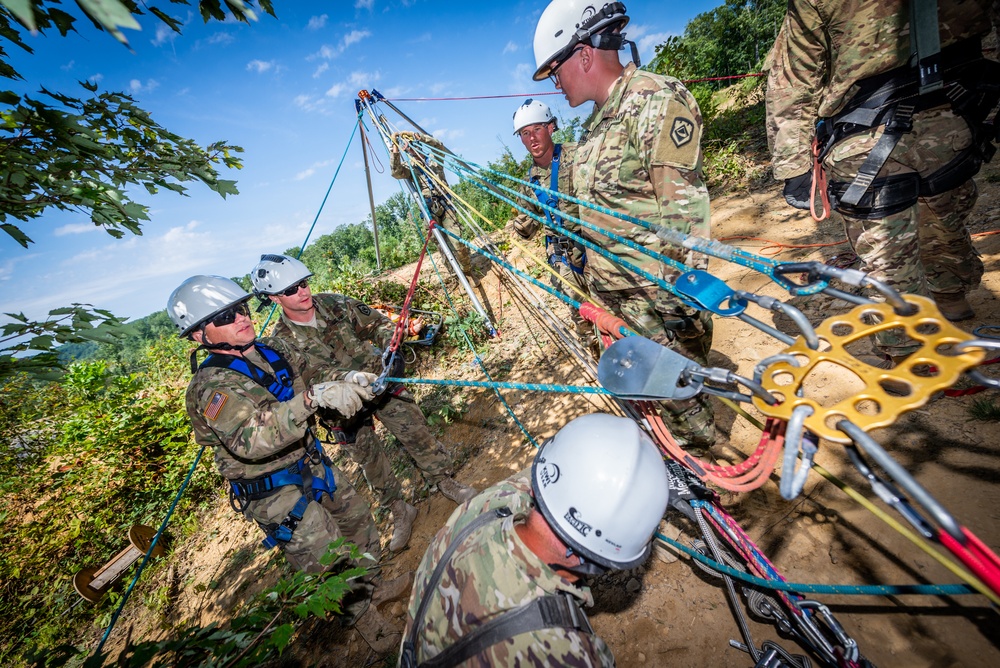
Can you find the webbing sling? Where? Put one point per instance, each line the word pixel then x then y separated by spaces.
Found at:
pixel 279 384
pixel 552 611
pixel 562 244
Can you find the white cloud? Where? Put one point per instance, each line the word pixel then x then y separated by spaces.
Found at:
pixel 364 4
pixel 304 174
pixel 322 68
pixel 95 78
pixel 135 86
pixel 221 38
pixel 510 48
pixel 449 135
pixel 260 66
pixel 75 228
pixel 68 66
pixel 645 41
pixel 396 91
pixel 317 22
pixel 336 89
pixel 438 87
pixel 363 78
pixel 353 37
pixel 163 35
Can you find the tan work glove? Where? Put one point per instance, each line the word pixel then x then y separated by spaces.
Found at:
pixel 361 382
pixel 338 395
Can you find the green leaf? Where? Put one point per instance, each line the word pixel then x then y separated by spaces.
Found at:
pixel 9 97
pixel 19 236
pixel 112 15
pixel 281 636
pixel 22 9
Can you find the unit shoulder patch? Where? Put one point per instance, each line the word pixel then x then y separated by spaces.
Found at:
pixel 365 309
pixel 678 142
pixel 214 407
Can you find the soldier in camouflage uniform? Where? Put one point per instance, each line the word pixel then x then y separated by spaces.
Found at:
pixel 255 435
pixel 438 203
pixel 834 62
pixel 351 335
pixel 534 125
pixel 593 498
pixel 640 155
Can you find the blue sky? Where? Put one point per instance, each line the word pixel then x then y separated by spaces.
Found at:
pixel 284 90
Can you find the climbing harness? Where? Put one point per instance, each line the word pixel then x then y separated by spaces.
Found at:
pixel 550 611
pixel 278 384
pixel 561 245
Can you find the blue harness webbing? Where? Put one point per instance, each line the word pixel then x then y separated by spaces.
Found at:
pixel 279 384
pixel 298 474
pixel 562 244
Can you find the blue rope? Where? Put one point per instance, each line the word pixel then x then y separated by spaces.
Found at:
pixel 320 211
pixel 145 558
pixel 801 588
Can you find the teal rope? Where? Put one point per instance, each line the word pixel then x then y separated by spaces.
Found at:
pixel 320 211
pixel 529 387
pixel 801 588
pixel 145 558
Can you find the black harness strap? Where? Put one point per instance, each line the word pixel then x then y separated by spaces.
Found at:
pixel 552 611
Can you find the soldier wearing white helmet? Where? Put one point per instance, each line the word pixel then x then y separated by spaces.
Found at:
pixel 592 500
pixel 552 169
pixel 251 401
pixel 641 157
pixel 351 335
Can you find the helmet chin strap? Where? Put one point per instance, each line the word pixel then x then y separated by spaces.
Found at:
pixel 583 569
pixel 613 41
pixel 215 346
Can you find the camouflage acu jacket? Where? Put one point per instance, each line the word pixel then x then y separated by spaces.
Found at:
pixel 825 47
pixel 641 156
pixel 349 334
pixel 490 573
pixel 401 170
pixel 529 200
pixel 251 431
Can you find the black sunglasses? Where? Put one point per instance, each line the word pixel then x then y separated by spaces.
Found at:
pixel 291 290
pixel 228 316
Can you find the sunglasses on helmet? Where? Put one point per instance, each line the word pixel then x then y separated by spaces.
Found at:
pixel 228 316
pixel 292 289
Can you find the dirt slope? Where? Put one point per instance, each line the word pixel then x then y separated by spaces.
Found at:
pixel 672 613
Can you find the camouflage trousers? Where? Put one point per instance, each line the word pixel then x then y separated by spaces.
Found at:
pixel 346 514
pixel 926 247
pixel 461 252
pixel 584 329
pixel 404 420
pixel 661 317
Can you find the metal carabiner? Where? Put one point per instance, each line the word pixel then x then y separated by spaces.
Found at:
pixel 793 478
pixel 975 374
pixel 888 492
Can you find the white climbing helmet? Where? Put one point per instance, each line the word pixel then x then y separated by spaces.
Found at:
pixel 566 23
pixel 530 112
pixel 200 298
pixel 275 273
pixel 601 485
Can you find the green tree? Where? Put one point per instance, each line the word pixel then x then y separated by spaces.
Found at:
pixel 84 153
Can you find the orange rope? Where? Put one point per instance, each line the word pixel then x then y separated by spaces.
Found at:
pixel 769 244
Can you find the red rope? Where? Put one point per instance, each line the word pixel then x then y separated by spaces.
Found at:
pixel 521 95
pixel 404 312
pixel 978 558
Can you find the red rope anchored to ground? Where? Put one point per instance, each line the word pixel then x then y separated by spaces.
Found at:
pixel 399 333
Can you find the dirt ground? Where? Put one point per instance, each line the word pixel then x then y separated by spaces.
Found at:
pixel 670 612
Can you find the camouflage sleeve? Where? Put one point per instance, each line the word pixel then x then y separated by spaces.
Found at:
pixel 671 124
pixel 242 416
pixel 523 224
pixel 313 368
pixel 369 325
pixel 797 73
pixel 566 187
pixel 397 167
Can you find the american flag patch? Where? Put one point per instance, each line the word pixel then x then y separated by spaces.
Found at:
pixel 215 405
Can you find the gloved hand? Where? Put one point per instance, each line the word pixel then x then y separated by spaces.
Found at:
pixel 361 382
pixel 797 190
pixel 338 395
pixel 525 227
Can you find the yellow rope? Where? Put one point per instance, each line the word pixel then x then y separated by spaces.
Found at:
pixel 914 538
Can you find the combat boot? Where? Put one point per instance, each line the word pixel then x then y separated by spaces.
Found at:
pixel 456 491
pixel 953 306
pixel 403 515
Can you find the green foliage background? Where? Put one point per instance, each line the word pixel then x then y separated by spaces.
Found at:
pixel 84 457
